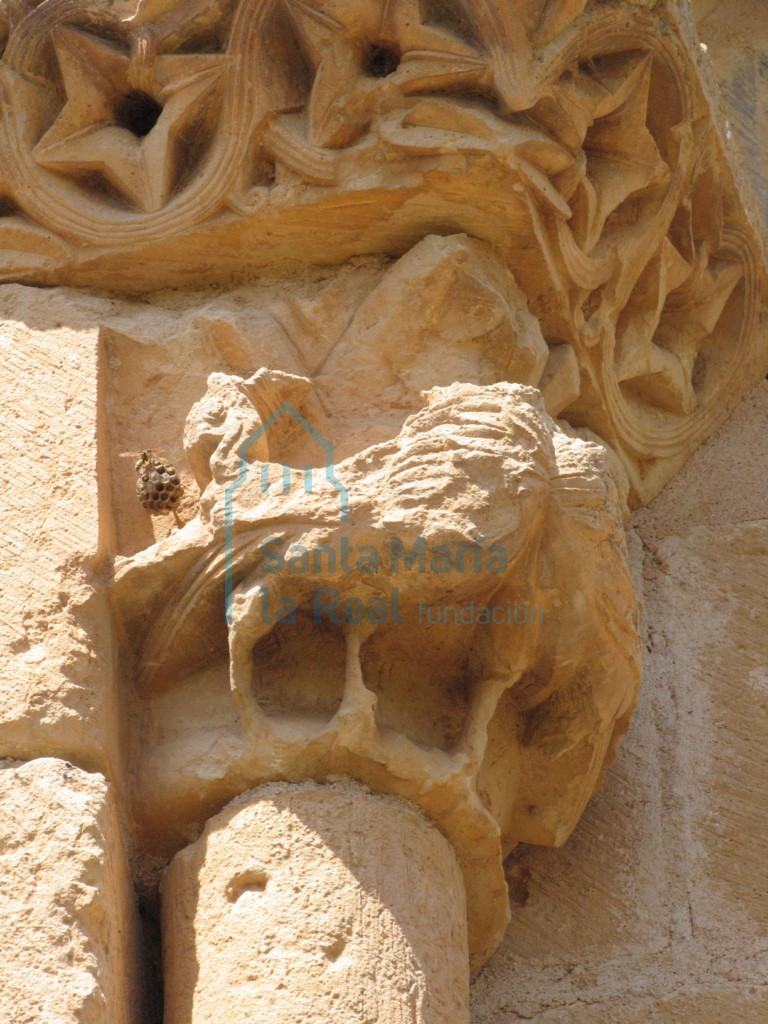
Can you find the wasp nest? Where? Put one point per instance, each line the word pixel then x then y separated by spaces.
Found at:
pixel 158 487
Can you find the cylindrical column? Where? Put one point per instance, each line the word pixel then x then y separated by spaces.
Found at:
pixel 319 904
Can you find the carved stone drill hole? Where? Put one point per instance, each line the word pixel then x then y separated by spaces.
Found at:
pixel 253 880
pixel 8 206
pixel 138 112
pixel 382 61
pixel 336 948
pixel 699 372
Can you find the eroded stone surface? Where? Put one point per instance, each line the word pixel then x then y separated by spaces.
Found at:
pixel 695 1006
pixel 68 946
pixel 734 34
pixel 317 903
pixel 58 692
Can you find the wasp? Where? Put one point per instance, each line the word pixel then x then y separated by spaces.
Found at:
pixel 149 457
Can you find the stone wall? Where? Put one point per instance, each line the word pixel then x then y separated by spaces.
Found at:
pixel 734 40
pixel 657 909
pixel 69 939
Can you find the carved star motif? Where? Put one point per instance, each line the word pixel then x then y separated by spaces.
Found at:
pixel 125 115
pixel 368 54
pixel 622 155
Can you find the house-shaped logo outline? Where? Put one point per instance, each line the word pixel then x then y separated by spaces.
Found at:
pixel 286 409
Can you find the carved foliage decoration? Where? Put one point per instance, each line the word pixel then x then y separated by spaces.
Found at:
pixel 571 136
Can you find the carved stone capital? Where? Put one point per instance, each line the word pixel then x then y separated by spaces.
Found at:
pixel 434 599
pixel 479 281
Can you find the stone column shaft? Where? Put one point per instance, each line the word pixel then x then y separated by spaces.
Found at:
pixel 317 904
